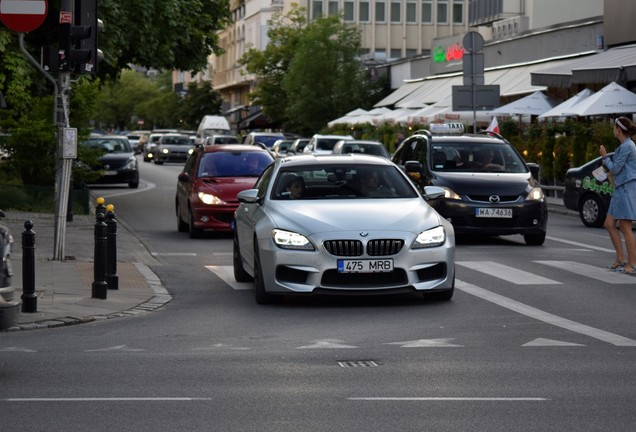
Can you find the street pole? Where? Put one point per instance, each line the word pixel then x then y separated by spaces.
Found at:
pixel 64 166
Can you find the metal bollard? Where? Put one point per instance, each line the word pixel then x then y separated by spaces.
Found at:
pixel 29 297
pixel 100 207
pixel 100 286
pixel 111 248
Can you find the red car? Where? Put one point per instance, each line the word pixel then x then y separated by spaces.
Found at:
pixel 211 178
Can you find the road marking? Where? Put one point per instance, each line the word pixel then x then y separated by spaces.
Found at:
pixel 549 342
pixel 227 274
pixel 546 317
pixel 583 245
pixel 16 349
pixel 461 399
pixel 593 272
pixel 220 345
pixel 425 343
pixel 327 343
pixel 173 253
pixel 149 186
pixel 109 399
pixel 507 273
pixel 116 348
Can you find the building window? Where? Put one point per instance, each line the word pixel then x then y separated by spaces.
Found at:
pixel 427 11
pixel 458 11
pixel 333 8
pixel 363 12
pixel 442 11
pixel 348 11
pixel 411 12
pixel 396 54
pixel 316 9
pixel 380 11
pixel 396 11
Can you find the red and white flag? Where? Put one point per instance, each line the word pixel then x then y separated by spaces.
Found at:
pixel 493 126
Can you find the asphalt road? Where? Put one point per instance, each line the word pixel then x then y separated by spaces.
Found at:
pixel 535 339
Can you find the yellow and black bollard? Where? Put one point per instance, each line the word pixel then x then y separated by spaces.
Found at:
pixel 100 286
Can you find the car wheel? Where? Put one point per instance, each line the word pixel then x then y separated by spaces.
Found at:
pixel 261 296
pixel 534 239
pixel 182 226
pixel 240 275
pixel 134 184
pixel 592 211
pixel 192 230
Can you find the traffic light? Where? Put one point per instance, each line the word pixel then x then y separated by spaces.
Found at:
pixel 78 37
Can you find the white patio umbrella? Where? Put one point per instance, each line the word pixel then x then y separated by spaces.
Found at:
pixel 565 107
pixel 611 99
pixel 370 117
pixel 347 118
pixel 534 104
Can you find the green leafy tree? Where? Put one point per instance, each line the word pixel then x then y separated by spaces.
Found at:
pixel 327 57
pixel 200 100
pixel 271 65
pixel 309 73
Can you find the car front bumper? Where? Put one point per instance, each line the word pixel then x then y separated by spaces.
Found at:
pixel 292 271
pixel 528 217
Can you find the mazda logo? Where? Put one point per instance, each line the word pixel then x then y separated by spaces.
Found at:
pixel 494 199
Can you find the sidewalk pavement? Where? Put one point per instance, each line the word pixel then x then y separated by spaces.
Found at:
pixel 64 287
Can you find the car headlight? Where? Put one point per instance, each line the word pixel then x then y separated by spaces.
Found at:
pixel 430 238
pixel 210 199
pixel 130 164
pixel 535 194
pixel 291 240
pixel 165 151
pixel 450 194
pixel 190 151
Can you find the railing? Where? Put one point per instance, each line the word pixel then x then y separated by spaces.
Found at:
pixel 553 191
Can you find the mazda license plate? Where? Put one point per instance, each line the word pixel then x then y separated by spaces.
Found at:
pixel 494 212
pixel 365 266
pixel 110 173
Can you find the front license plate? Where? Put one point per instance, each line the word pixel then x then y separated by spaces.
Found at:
pixel 110 173
pixel 494 212
pixel 365 266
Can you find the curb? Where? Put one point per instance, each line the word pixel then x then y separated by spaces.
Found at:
pixel 161 297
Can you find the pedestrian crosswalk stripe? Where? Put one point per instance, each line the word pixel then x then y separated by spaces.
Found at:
pixel 227 274
pixel 507 273
pixel 593 272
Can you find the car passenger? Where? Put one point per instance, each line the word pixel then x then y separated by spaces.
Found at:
pixel 295 187
pixel 484 162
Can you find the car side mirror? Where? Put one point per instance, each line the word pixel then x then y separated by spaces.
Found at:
pixel 249 196
pixel 433 192
pixel 184 177
pixel 534 169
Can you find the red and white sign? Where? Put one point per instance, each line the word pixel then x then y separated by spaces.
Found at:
pixel 23 15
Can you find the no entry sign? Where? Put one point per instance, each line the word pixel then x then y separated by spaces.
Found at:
pixel 23 15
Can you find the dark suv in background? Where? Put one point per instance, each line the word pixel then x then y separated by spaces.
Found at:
pixel 489 187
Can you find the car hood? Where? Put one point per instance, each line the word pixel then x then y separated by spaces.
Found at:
pixel 481 183
pixel 112 157
pixel 313 217
pixel 225 188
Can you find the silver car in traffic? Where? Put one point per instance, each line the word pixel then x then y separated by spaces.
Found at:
pixel 332 224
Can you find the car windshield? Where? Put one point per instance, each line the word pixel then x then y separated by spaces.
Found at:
pixel 268 140
pixel 176 140
pixel 342 182
pixel 371 149
pixel 109 145
pixel 476 157
pixel 326 143
pixel 233 164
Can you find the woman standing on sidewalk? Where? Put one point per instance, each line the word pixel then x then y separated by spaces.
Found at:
pixel 623 204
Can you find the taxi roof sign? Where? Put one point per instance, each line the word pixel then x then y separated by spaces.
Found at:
pixel 447 128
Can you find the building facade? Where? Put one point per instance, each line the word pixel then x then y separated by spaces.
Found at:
pixel 412 39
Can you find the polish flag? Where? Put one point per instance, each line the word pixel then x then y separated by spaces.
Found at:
pixel 493 126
